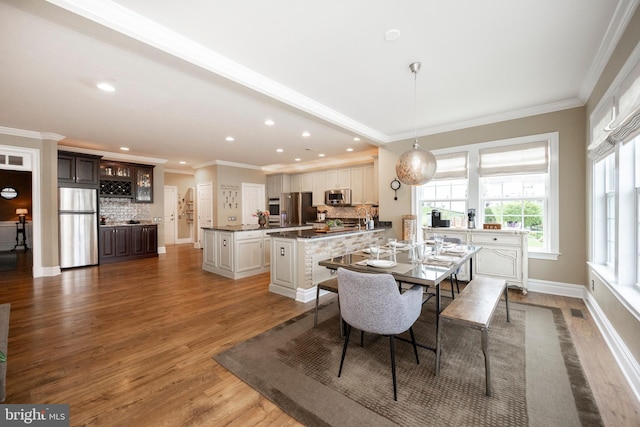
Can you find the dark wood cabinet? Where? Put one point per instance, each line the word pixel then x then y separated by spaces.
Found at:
pixel 78 170
pixel 124 243
pixel 126 180
pixel 144 240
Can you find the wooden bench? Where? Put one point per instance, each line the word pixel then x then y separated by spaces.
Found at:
pixel 330 285
pixel 474 308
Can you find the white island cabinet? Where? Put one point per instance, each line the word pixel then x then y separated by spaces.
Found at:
pixel 239 251
pixel 295 272
pixel 504 253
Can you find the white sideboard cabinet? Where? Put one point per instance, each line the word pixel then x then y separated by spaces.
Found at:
pixel 504 254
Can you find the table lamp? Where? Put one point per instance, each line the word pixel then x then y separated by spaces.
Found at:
pixel 22 215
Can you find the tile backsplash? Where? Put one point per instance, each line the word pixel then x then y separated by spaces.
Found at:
pixel 123 209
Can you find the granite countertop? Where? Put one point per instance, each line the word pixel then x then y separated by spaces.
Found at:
pixel 126 224
pixel 313 234
pixel 253 227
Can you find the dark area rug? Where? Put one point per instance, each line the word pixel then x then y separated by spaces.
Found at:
pixel 296 365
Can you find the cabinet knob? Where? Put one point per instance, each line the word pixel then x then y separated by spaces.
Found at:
pixel 495 238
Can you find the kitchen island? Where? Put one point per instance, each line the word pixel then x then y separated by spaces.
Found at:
pixel 237 251
pixel 295 255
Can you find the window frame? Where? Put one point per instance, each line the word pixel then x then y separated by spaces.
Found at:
pixel 474 197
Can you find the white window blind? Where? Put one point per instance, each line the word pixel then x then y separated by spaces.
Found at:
pixel 452 166
pixel 627 121
pixel 529 158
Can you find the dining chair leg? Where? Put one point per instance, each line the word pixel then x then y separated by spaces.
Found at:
pixel 393 366
pixel 344 348
pixel 361 338
pixel 451 282
pixel 315 319
pixel 455 276
pixel 415 347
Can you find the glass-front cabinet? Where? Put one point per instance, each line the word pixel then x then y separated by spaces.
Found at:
pixel 144 184
pixel 126 180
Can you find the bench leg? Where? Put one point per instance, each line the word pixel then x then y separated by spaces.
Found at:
pixel 485 350
pixel 506 300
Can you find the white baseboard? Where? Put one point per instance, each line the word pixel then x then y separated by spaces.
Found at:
pixel 624 358
pixel 46 271
pixel 556 288
pixel 306 295
pixel 282 290
pixel 184 240
pixel 162 249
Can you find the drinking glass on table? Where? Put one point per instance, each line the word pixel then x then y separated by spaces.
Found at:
pixel 438 243
pixel 374 250
pixel 392 243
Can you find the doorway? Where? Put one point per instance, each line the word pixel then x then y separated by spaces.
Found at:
pixel 170 209
pixel 204 209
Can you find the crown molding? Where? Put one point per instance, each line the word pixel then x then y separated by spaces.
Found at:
pixel 178 171
pixel 31 134
pixel 107 155
pixel 129 23
pixel 493 118
pixel 618 24
pixel 225 163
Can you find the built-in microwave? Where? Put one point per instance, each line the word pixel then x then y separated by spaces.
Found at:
pixel 337 197
pixel 274 211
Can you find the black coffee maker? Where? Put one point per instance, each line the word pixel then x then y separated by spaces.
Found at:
pixel 436 220
pixel 471 214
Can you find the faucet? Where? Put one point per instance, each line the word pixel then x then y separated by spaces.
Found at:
pixel 365 216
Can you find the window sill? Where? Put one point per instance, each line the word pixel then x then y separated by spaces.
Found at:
pixel 628 295
pixel 549 256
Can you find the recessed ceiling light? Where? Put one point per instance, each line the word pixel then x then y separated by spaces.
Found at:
pixel 320 155
pixel 349 149
pixel 356 139
pixel 306 134
pixel 269 122
pixel 183 162
pixel 107 87
pixel 297 159
pixel 391 35
pixel 230 139
pixel 124 148
pixel 279 150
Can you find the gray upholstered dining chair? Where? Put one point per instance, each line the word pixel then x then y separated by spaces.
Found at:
pixel 454 276
pixel 373 303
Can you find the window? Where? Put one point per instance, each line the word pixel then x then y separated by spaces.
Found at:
pixel 610 208
pixel 447 192
pixel 512 182
pixel 517 202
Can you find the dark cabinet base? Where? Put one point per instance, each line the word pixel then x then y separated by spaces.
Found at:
pixel 126 243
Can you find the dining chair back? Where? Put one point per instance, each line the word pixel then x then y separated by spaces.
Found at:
pixel 373 303
pixel 454 276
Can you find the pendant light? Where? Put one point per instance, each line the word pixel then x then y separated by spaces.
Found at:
pixel 416 167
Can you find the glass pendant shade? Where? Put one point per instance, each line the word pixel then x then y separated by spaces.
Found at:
pixel 416 167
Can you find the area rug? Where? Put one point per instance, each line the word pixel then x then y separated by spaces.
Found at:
pixel 535 371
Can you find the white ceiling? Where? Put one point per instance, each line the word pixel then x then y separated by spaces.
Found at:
pixel 190 73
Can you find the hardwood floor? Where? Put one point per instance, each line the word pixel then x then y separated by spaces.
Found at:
pixel 131 344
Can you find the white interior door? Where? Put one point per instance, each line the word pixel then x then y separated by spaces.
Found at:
pixel 204 208
pixel 170 214
pixel 253 198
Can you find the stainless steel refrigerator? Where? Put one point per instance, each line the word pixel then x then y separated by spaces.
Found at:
pixel 298 208
pixel 78 220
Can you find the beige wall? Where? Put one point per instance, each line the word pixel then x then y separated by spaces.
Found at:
pixel 183 182
pixel 569 268
pixel 48 195
pixel 625 323
pixel 223 177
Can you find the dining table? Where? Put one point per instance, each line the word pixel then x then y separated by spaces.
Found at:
pixel 410 263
